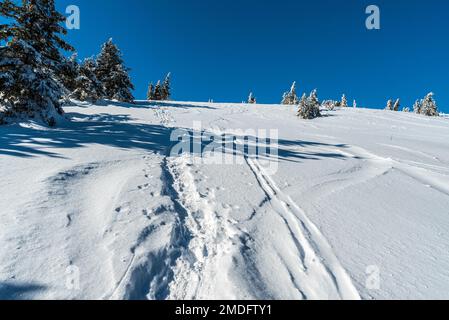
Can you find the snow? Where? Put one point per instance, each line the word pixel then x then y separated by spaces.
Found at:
pixel 98 208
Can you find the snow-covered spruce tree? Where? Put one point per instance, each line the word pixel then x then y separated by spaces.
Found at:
pixel 329 105
pixel 354 104
pixel 310 108
pixel 396 105
pixel 389 106
pixel 67 72
pixel 150 92
pixel 406 109
pixel 344 102
pixel 87 86
pixel 429 107
pixel 29 61
pixel 303 98
pixel 112 73
pixel 165 89
pixel 157 91
pixel 417 107
pixel 290 97
pixel 251 98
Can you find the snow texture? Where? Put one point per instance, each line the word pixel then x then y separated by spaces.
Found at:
pixel 98 208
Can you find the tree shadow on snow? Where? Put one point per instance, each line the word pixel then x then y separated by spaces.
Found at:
pixel 119 131
pixel 19 291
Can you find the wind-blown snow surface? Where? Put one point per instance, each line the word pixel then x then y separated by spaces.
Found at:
pixel 355 191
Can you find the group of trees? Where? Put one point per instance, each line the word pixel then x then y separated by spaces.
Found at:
pixel 393 106
pixel 309 106
pixel 290 97
pixel 103 77
pixel 34 74
pixel 160 92
pixel 426 106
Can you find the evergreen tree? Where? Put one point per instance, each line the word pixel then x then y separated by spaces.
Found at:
pixel 344 102
pixel 112 73
pixel 251 98
pixel 68 71
pixel 29 60
pixel 150 92
pixel 310 107
pixel 88 87
pixel 354 104
pixel 157 91
pixel 303 98
pixel 290 97
pixel 329 105
pixel 165 89
pixel 38 24
pixel 406 109
pixel 397 104
pixel 389 106
pixel 417 106
pixel 429 106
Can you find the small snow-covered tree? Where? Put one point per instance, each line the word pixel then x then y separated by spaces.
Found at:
pixel 150 92
pixel 329 105
pixel 88 87
pixel 417 107
pixel 157 95
pixel 290 97
pixel 389 106
pixel 429 106
pixel 310 107
pixel 396 105
pixel 406 109
pixel 112 73
pixel 165 89
pixel 251 98
pixel 354 104
pixel 344 102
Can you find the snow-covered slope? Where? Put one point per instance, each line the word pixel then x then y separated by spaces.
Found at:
pixel 98 208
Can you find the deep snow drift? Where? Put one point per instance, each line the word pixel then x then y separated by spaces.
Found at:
pixel 98 208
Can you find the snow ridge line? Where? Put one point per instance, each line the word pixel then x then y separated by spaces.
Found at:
pixel 320 265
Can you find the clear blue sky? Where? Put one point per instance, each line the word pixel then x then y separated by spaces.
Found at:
pixel 223 49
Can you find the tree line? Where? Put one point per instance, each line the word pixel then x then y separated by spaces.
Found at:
pixel 36 78
pixel 309 106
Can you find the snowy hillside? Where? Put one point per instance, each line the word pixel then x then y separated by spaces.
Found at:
pixel 99 208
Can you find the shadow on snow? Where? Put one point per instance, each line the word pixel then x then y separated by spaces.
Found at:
pixel 118 131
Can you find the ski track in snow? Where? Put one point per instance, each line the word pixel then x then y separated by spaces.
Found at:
pixel 319 274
